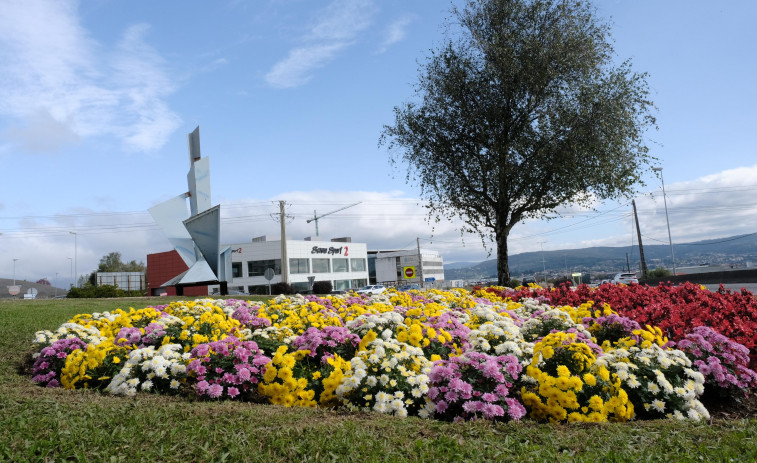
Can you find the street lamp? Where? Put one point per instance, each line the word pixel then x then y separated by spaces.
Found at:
pixel 665 200
pixel 76 269
pixel 14 271
pixel 71 261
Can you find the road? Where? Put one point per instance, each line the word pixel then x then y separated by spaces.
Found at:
pixel 752 287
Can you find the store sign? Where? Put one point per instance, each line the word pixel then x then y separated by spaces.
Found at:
pixel 330 251
pixel 239 250
pixel 409 272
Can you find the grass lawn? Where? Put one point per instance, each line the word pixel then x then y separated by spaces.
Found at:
pixel 38 424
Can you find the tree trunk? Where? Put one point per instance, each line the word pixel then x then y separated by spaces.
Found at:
pixel 503 266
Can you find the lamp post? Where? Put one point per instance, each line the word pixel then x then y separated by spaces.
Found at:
pixel 76 269
pixel 14 271
pixel 71 261
pixel 665 200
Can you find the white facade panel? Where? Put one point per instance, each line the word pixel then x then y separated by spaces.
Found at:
pixel 390 265
pixel 354 255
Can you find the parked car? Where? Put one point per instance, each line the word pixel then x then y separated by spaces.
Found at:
pixel 371 289
pixel 625 278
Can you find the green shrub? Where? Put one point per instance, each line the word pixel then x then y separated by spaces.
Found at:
pixel 281 288
pixel 322 287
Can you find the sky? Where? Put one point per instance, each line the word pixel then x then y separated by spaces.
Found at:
pixel 97 98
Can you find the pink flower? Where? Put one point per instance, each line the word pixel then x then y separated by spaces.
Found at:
pixel 215 391
pixel 441 406
pixel 233 392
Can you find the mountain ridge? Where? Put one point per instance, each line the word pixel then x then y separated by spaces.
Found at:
pixel 736 250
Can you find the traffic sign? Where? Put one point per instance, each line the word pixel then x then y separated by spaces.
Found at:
pixel 409 272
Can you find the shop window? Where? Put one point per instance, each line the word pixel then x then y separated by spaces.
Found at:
pixel 358 265
pixel 359 283
pixel 321 266
pixel 341 265
pixel 256 268
pixel 299 266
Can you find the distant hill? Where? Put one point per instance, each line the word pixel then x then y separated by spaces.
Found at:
pixel 735 250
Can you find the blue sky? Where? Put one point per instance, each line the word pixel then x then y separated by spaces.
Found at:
pixel 97 97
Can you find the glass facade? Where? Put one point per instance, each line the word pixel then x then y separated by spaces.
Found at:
pixel 342 284
pixel 358 265
pixel 299 266
pixel 321 266
pixel 236 270
pixel 256 268
pixel 341 265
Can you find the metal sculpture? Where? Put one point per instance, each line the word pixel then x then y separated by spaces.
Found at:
pixel 195 234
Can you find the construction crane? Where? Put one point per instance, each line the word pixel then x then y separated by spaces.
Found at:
pixel 316 216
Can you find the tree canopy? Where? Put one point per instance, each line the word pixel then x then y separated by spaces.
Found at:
pixel 112 263
pixel 521 110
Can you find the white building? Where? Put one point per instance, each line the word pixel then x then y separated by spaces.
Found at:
pixel 397 268
pixel 343 263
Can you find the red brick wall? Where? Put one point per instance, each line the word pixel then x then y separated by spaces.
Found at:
pixel 163 266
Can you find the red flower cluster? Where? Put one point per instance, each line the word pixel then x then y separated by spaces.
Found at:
pixel 677 310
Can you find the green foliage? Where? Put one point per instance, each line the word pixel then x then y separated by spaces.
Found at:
pixel 322 287
pixel 659 272
pixel 521 112
pixel 112 263
pixel 106 291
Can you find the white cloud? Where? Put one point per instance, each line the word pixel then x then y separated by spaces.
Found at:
pixel 41 133
pixel 337 27
pixel 294 70
pixel 395 32
pixel 55 75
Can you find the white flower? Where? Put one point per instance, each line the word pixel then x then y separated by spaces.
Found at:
pixel 658 405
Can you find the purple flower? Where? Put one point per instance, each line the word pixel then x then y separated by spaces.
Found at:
pixel 232 392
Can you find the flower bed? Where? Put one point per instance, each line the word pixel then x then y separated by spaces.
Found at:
pixel 492 354
pixel 674 309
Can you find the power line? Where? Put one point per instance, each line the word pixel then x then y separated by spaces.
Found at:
pixel 717 242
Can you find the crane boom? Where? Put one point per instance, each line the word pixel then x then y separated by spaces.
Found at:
pixel 316 216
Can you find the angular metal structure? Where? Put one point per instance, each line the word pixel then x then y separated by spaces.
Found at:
pixel 195 234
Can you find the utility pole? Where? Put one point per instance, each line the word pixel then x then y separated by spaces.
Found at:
pixel 667 220
pixel 420 261
pixel 641 246
pixel 284 259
